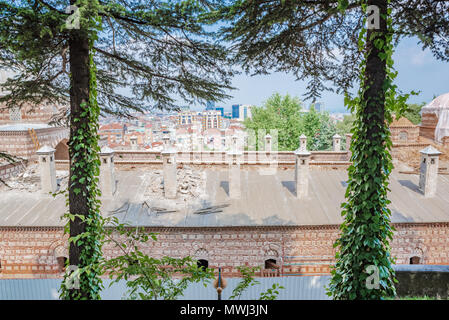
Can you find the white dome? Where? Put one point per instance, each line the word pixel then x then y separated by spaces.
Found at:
pixel 437 104
pixel 440 107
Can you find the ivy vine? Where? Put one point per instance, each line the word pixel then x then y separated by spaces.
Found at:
pixel 367 231
pixel 85 168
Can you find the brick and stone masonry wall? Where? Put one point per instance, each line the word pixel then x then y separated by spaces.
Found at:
pixel 12 169
pixel 29 114
pixel 20 143
pixel 303 250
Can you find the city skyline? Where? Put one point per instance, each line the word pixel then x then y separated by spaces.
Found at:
pixel 409 60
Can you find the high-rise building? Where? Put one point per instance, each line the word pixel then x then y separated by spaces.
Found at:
pixel 210 105
pixel 241 112
pixel 319 106
pixel 221 109
pixel 211 119
pixel 235 111
pixel 187 117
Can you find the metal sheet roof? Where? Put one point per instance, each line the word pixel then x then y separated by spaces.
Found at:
pixel 296 288
pixel 266 200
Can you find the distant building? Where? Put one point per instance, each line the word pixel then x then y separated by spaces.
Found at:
pixel 241 112
pixel 113 132
pixel 221 109
pixel 319 106
pixel 211 119
pixel 187 117
pixel 210 105
pixel 235 111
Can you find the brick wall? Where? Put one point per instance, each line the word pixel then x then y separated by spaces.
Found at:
pixel 404 135
pixel 304 250
pixel 20 143
pixel 29 114
pixel 12 169
pixel 429 122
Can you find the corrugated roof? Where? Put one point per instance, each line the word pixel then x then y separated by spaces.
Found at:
pixel 266 200
pixel 296 288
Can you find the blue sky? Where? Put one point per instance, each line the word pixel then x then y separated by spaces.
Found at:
pixel 417 70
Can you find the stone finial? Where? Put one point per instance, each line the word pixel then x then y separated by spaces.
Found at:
pixel 200 142
pixel 268 143
pixel 223 143
pixel 303 142
pixel 47 166
pixel 428 176
pixel 336 142
pixel 302 173
pixel 166 139
pixel 234 140
pixel 134 145
pixel 107 174
pixel 169 170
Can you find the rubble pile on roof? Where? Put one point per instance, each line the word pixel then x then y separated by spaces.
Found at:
pixel 191 184
pixel 29 180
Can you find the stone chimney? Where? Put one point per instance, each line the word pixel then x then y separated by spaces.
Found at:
pixel 200 142
pixel 303 142
pixel 428 176
pixel 234 143
pixel 268 146
pixel 166 140
pixel 336 142
pixel 46 156
pixel 302 173
pixel 134 145
pixel 169 168
pixel 107 176
pixel 234 158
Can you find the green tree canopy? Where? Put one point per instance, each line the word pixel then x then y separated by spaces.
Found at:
pixel 286 115
pixel 413 112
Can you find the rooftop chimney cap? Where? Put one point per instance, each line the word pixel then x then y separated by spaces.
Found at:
pixel 268 136
pixel 168 151
pixel 336 136
pixel 235 153
pixel 431 151
pixel 106 151
pixel 300 152
pixel 45 150
pixel 303 136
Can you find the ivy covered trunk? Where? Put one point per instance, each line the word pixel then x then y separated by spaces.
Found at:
pixel 364 264
pixel 84 217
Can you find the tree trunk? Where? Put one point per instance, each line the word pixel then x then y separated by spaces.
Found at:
pixel 79 94
pixel 375 74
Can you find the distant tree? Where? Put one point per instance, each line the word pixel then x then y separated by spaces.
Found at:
pixel 412 112
pixel 281 113
pixel 343 127
pixel 319 129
